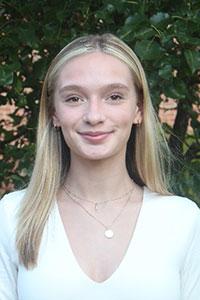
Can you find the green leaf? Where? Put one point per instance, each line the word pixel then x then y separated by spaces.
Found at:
pixel 165 72
pixel 194 41
pixel 144 33
pixel 17 85
pixel 22 101
pixel 148 50
pixel 193 60
pixel 178 90
pixel 28 37
pixel 159 17
pixel 6 76
pixel 110 8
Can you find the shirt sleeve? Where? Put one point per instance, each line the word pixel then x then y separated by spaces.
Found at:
pixel 190 274
pixel 8 267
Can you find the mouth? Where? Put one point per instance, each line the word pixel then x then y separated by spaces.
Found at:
pixel 95 136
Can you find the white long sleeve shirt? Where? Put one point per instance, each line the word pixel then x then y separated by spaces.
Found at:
pixel 162 261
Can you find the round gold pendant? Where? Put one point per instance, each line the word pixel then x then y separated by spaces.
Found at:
pixel 109 233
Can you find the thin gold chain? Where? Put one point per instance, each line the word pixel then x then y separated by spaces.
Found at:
pixel 92 216
pixel 74 196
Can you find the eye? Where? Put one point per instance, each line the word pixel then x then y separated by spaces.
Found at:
pixel 74 99
pixel 115 98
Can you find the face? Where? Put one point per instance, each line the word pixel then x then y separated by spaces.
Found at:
pixel 96 106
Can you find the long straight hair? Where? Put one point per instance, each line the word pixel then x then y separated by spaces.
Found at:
pixel 146 153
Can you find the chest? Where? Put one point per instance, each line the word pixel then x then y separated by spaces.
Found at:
pixel 98 255
pixel 149 268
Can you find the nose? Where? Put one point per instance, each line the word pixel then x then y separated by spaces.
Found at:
pixel 94 113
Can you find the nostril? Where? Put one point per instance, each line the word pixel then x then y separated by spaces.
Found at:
pixel 93 121
pixel 93 117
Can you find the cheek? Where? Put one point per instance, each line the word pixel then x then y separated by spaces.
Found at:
pixel 127 118
pixel 65 116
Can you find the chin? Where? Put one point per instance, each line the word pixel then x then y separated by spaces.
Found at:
pixel 97 157
pixel 93 155
pixel 98 153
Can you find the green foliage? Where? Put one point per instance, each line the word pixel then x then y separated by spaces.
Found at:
pixel 164 34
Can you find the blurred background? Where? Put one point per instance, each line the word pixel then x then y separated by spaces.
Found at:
pixel 164 34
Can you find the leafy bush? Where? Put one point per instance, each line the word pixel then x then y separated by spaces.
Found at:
pixel 164 34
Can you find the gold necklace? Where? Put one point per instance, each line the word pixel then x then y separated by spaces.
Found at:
pixel 96 204
pixel 108 232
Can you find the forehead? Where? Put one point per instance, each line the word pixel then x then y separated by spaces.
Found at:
pixel 94 67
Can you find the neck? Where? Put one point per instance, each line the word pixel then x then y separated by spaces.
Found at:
pixel 96 180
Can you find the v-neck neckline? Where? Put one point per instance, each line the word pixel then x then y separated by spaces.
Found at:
pixel 127 252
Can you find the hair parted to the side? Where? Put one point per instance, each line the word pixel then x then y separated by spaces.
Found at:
pixel 146 150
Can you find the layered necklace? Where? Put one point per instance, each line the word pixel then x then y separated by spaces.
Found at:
pixel 108 229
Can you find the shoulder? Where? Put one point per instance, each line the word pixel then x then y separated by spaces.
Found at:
pixel 9 206
pixel 11 201
pixel 173 208
pixel 173 202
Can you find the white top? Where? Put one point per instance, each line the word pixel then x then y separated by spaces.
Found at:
pixel 161 263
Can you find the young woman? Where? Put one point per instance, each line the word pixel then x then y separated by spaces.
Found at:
pixel 97 220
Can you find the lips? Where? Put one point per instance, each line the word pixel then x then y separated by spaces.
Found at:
pixel 94 133
pixel 95 136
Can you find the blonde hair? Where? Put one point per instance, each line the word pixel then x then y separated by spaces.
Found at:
pixel 146 148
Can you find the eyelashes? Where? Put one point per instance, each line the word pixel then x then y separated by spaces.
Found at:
pixel 116 97
pixel 113 98
pixel 73 99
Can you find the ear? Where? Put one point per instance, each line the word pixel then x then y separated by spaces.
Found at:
pixel 56 122
pixel 138 115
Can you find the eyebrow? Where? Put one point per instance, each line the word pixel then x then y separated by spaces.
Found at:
pixel 80 88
